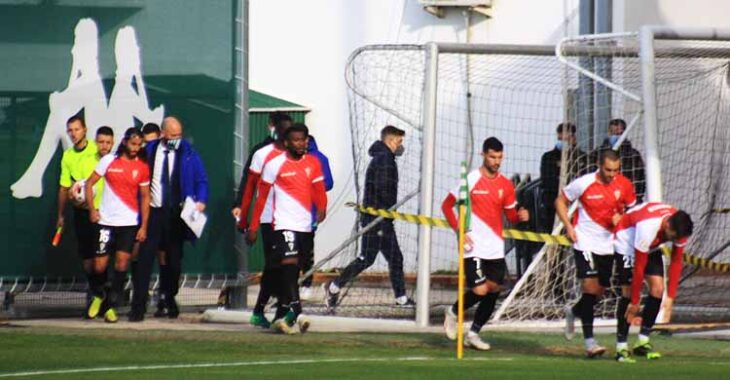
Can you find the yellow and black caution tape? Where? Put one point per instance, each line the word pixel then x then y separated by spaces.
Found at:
pixel 536 237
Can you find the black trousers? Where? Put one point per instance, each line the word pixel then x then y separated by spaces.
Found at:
pixel 380 239
pixel 165 232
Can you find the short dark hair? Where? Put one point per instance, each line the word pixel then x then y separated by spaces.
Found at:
pixel 608 154
pixel 492 143
pixel 563 126
pixel 277 117
pixel 681 223
pixel 150 128
pixel 390 130
pixel 106 131
pixel 619 122
pixel 76 118
pixel 297 127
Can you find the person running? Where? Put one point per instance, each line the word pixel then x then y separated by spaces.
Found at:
pixel 492 196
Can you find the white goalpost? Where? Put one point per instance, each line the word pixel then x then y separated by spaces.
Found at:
pixel 670 86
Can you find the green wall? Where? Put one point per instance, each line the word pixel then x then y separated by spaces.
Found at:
pixel 187 64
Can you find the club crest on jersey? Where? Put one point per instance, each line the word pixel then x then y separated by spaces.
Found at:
pixel 134 173
pixel 500 193
pixel 308 171
pixel 617 194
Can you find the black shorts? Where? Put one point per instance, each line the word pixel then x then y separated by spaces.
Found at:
pixel 86 233
pixel 112 239
pixel 600 266
pixel 289 244
pixel 478 271
pixel 625 268
pixel 268 244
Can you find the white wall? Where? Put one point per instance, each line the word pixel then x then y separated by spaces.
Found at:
pixel 630 15
pixel 298 51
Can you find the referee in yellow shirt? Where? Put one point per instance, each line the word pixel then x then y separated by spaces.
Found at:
pixel 77 164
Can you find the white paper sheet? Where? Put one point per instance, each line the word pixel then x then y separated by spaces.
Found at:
pixel 192 217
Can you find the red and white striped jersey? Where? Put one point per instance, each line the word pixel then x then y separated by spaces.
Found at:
pixel 641 228
pixel 599 202
pixel 120 199
pixel 258 162
pixel 490 199
pixel 293 194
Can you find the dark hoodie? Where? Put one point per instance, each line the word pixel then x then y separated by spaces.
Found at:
pixel 381 178
pixel 313 149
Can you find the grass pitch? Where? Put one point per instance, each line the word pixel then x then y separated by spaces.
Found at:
pixel 44 352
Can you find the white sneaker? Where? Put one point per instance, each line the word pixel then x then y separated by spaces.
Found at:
pixel 451 324
pixel 594 350
pixel 281 326
pixel 569 323
pixel 474 341
pixel 303 323
pixel 305 293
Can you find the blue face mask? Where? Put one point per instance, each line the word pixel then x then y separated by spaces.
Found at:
pixel 559 145
pixel 612 140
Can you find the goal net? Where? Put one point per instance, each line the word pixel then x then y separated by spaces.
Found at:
pixel 521 94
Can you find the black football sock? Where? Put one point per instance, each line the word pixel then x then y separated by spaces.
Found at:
pixel 648 316
pixel 484 311
pixel 470 299
pixel 586 314
pixel 622 326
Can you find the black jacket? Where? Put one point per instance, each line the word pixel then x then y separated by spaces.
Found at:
pixel 381 178
pixel 244 173
pixel 550 171
pixel 632 165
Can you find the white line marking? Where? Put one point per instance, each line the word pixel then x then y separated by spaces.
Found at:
pixel 209 365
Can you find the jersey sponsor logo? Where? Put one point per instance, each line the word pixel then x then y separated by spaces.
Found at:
pixel 115 170
pixel 480 192
pixel 288 174
pixel 597 196
pixel 85 91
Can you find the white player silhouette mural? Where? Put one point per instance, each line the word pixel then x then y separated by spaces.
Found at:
pixel 129 97
pixel 85 91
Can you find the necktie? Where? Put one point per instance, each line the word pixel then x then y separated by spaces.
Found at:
pixel 166 185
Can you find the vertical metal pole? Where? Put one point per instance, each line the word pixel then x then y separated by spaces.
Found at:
pixel 603 67
pixel 586 129
pixel 423 284
pixel 239 294
pixel 651 131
